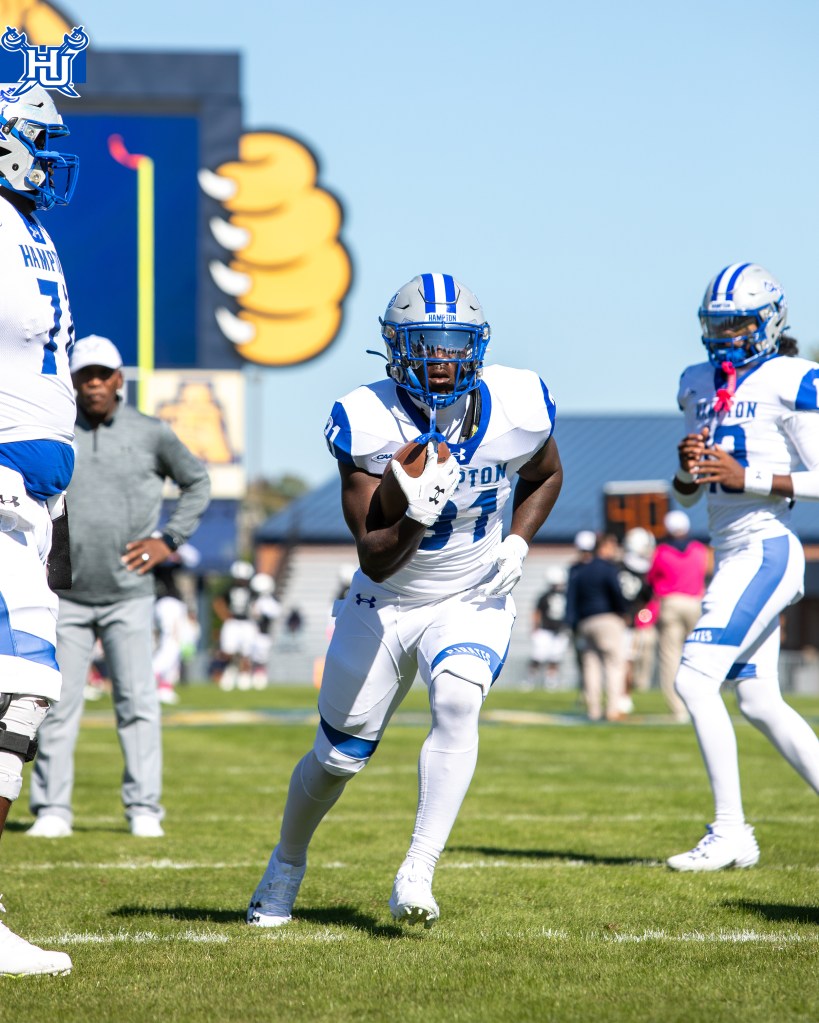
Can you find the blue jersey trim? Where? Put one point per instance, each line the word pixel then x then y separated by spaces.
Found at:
pixel 340 441
pixel 350 745
pixel 412 410
pixel 470 446
pixel 807 397
pixel 479 650
pixel 45 465
pixel 550 404
pixel 14 643
pixel 720 379
pixel 741 670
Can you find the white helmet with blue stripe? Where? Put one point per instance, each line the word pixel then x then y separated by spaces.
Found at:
pixel 431 320
pixel 29 164
pixel 742 315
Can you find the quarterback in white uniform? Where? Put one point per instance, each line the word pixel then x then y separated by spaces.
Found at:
pixel 433 591
pixel 37 413
pixel 752 443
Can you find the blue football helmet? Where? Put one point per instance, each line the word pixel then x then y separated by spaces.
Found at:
pixel 28 162
pixel 431 320
pixel 742 315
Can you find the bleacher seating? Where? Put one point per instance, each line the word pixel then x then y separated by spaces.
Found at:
pixel 313 580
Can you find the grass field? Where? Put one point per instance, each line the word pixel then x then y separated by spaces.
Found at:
pixel 554 901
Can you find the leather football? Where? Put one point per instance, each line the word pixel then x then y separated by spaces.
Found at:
pixel 412 457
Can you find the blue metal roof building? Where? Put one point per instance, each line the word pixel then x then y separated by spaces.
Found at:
pixel 594 450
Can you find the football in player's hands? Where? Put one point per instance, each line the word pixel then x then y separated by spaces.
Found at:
pixel 412 457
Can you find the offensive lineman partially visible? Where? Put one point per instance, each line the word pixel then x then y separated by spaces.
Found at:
pixel 752 416
pixel 433 591
pixel 37 414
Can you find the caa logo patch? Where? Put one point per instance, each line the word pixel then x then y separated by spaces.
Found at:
pixel 385 456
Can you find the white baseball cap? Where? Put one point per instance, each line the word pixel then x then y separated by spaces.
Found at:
pixel 94 351
pixel 677 523
pixel 585 540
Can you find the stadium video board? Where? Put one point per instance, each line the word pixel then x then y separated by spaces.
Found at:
pixel 191 241
pixel 180 112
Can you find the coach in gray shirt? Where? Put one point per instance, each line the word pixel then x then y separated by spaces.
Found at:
pixel 114 501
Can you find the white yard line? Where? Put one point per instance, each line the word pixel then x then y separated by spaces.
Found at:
pixel 297 935
pixel 553 861
pixel 718 937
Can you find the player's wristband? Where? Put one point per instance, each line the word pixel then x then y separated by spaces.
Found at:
pixel 758 481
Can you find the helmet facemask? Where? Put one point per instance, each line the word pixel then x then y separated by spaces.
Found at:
pixel 415 348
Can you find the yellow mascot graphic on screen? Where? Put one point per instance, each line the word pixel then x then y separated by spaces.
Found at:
pixel 288 271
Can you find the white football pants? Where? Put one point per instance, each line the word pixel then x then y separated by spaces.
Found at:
pixel 737 638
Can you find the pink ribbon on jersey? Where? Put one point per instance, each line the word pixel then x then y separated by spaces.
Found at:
pixel 725 395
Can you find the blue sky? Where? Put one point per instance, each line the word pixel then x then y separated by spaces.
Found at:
pixel 585 168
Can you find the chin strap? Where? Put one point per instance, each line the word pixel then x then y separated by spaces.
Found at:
pixel 725 395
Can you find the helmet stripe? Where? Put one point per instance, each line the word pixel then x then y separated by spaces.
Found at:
pixel 718 281
pixel 729 291
pixel 439 289
pixel 449 293
pixel 429 292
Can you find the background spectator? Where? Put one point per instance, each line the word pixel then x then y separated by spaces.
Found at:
pixel 115 496
pixel 550 635
pixel 265 611
pixel 641 634
pixel 595 607
pixel 238 632
pixel 677 577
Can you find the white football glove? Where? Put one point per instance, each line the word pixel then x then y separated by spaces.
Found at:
pixel 428 493
pixel 508 561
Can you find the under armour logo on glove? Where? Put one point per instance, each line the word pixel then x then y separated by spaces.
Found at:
pixel 13 501
pixel 369 601
pixel 434 486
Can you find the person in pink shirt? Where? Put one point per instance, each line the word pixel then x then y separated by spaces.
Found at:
pixel 677 577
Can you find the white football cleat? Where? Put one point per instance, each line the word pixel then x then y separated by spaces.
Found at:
pixel 49 825
pixel 143 825
pixel 19 958
pixel 411 898
pixel 730 847
pixel 272 903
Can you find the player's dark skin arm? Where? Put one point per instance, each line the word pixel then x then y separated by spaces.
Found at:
pixel 715 465
pixel 537 489
pixel 382 549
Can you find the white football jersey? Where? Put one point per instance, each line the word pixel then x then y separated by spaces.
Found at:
pixel 756 432
pixel 517 414
pixel 36 333
pixel 239 599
